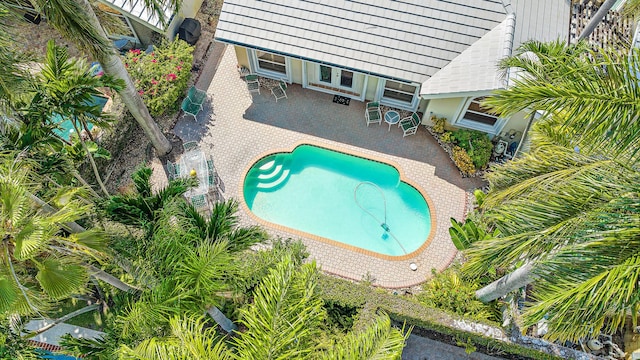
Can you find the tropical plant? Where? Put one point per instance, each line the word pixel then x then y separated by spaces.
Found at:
pixel 15 347
pixel 465 234
pixel 568 209
pixel 67 89
pixel 476 144
pixel 438 124
pixel 451 292
pixel 463 161
pixel 77 21
pixel 284 321
pixel 222 223
pixel 141 206
pixel 162 75
pixel 39 262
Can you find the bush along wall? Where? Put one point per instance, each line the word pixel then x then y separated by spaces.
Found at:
pixel 476 336
pixel 470 150
pixel 162 75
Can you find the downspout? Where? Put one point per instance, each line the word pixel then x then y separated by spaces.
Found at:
pixel 596 19
pixel 524 133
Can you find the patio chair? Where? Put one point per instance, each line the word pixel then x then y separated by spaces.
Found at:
pixel 190 145
pixel 253 83
pixel 173 170
pixel 212 175
pixel 372 113
pixel 280 91
pixel 197 96
pixel 190 108
pixel 199 202
pixel 409 124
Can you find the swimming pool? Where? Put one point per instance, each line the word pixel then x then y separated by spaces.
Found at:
pixel 65 127
pixel 343 198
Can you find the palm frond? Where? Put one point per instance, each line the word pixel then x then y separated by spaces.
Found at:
pixel 377 341
pixel 284 320
pixel 59 278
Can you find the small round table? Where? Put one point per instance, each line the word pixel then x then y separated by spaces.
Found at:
pixel 391 117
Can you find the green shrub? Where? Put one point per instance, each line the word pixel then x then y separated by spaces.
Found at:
pixel 438 124
pixel 476 144
pixel 161 77
pixel 449 292
pixel 446 137
pixel 406 310
pixel 463 160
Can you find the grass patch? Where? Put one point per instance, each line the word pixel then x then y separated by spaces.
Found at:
pixel 91 320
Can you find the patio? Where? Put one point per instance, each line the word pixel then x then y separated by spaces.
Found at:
pixel 238 127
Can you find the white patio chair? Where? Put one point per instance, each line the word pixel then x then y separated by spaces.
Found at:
pixel 190 145
pixel 253 83
pixel 372 113
pixel 280 91
pixel 409 124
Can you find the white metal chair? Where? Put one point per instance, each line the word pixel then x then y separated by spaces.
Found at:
pixel 173 170
pixel 280 91
pixel 372 113
pixel 190 145
pixel 409 124
pixel 253 83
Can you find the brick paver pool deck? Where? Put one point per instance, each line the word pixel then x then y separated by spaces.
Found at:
pixel 238 127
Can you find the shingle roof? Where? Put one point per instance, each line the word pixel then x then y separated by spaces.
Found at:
pixel 137 10
pixel 403 39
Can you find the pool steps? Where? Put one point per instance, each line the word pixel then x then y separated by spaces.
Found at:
pixel 272 173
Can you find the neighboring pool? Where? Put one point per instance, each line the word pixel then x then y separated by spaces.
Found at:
pixel 65 125
pixel 312 190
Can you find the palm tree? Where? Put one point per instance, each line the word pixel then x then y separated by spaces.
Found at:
pixel 568 210
pixel 39 262
pixel 77 21
pixel 285 321
pixel 67 89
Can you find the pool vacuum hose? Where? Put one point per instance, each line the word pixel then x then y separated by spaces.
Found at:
pixel 383 224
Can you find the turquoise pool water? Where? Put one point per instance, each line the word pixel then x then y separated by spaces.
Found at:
pixel 313 190
pixel 65 125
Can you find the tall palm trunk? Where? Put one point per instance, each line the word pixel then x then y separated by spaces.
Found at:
pixel 94 167
pixel 112 65
pixel 512 281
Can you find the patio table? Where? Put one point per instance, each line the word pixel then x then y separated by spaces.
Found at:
pixel 391 117
pixel 195 161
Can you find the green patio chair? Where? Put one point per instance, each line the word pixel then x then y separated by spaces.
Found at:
pixel 190 108
pixel 372 113
pixel 409 124
pixel 171 170
pixel 197 96
pixel 253 83
pixel 199 202
pixel 190 145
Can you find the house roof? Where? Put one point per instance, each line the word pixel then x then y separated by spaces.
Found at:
pixel 475 68
pixel 137 10
pixel 408 40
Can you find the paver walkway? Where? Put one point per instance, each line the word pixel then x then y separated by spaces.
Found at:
pixel 237 128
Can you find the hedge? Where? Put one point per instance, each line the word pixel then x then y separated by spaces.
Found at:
pixel 403 310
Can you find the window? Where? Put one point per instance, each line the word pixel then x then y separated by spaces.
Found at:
pixel 271 62
pixel 475 112
pixel 399 91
